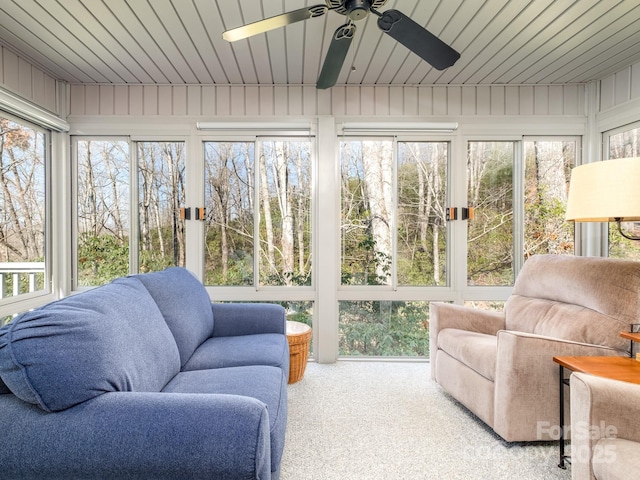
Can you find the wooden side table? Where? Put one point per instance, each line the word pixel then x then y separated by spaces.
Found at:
pixel 616 368
pixel 299 338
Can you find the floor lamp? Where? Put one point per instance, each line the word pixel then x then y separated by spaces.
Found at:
pixel 607 191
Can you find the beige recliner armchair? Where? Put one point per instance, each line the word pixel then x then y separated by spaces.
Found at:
pixel 605 426
pixel 500 364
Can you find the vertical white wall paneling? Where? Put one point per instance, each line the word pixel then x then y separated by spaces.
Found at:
pixel 223 100
pixel 556 100
pixel 483 100
pixel 92 100
pixel 607 92
pixel 150 101
pixel 165 100
pixel 194 100
pixel 252 95
pixel 179 100
pixel 294 95
pixel 17 75
pixel 497 100
pixel 411 101
pixel 10 67
pixel 635 81
pixel 309 101
pixel 135 95
pixel 468 100
pixel 512 100
pixel 24 79
pixel 121 100
pixel 526 100
pixel 38 94
pixel 266 101
pixel 208 100
pixel 622 87
pixel 281 102
pixel 571 100
pixel 454 101
pixel 396 102
pixel 541 100
pixel 381 100
pixel 351 101
pixel 367 100
pixel 106 101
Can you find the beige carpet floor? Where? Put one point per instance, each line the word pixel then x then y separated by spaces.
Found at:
pixel 357 420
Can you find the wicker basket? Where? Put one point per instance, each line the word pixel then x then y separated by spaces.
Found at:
pixel 299 337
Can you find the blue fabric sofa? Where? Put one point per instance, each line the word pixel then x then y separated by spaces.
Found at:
pixel 144 378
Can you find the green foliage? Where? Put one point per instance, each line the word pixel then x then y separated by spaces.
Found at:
pixel 101 258
pixel 384 328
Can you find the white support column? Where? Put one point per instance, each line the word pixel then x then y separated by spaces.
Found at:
pixel 194 198
pixel 326 257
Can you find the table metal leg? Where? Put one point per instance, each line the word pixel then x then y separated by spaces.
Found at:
pixel 561 439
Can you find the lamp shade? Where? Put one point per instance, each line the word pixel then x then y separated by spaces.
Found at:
pixel 605 191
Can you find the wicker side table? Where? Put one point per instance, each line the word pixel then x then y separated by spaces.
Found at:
pixel 299 337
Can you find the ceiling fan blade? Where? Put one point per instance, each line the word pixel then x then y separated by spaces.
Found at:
pixel 336 55
pixel 417 39
pixel 272 23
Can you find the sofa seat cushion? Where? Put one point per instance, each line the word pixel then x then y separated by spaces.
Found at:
pixel 185 305
pixel 265 383
pixel 109 339
pixel 616 459
pixel 260 349
pixel 473 349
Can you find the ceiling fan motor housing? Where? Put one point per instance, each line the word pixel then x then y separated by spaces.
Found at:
pixel 354 9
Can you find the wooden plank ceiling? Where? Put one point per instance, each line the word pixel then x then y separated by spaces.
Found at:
pixel 179 41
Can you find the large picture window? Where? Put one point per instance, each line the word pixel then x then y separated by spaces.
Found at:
pixel 112 237
pixel 23 209
pixel 258 225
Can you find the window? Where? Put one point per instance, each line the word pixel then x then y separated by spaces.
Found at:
pixel 393 218
pixel 393 234
pixel 112 238
pixel 490 241
pixel 23 209
pixel 258 224
pixel 624 143
pixel 519 210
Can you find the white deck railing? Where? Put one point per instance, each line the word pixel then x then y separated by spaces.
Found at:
pixel 12 274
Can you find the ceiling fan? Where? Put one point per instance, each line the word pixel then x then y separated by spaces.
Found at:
pixel 392 22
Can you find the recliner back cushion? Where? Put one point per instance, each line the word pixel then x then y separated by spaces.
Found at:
pixel 582 299
pixel 112 338
pixel 185 305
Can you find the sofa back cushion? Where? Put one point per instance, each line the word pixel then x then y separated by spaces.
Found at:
pixel 112 338
pixel 581 299
pixel 185 305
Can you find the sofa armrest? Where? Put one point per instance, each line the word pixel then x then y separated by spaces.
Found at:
pixel 231 319
pixel 600 408
pixel 527 383
pixel 137 435
pixel 448 315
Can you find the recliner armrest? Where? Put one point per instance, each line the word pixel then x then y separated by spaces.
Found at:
pixel 600 408
pixel 237 318
pixel 448 315
pixel 137 435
